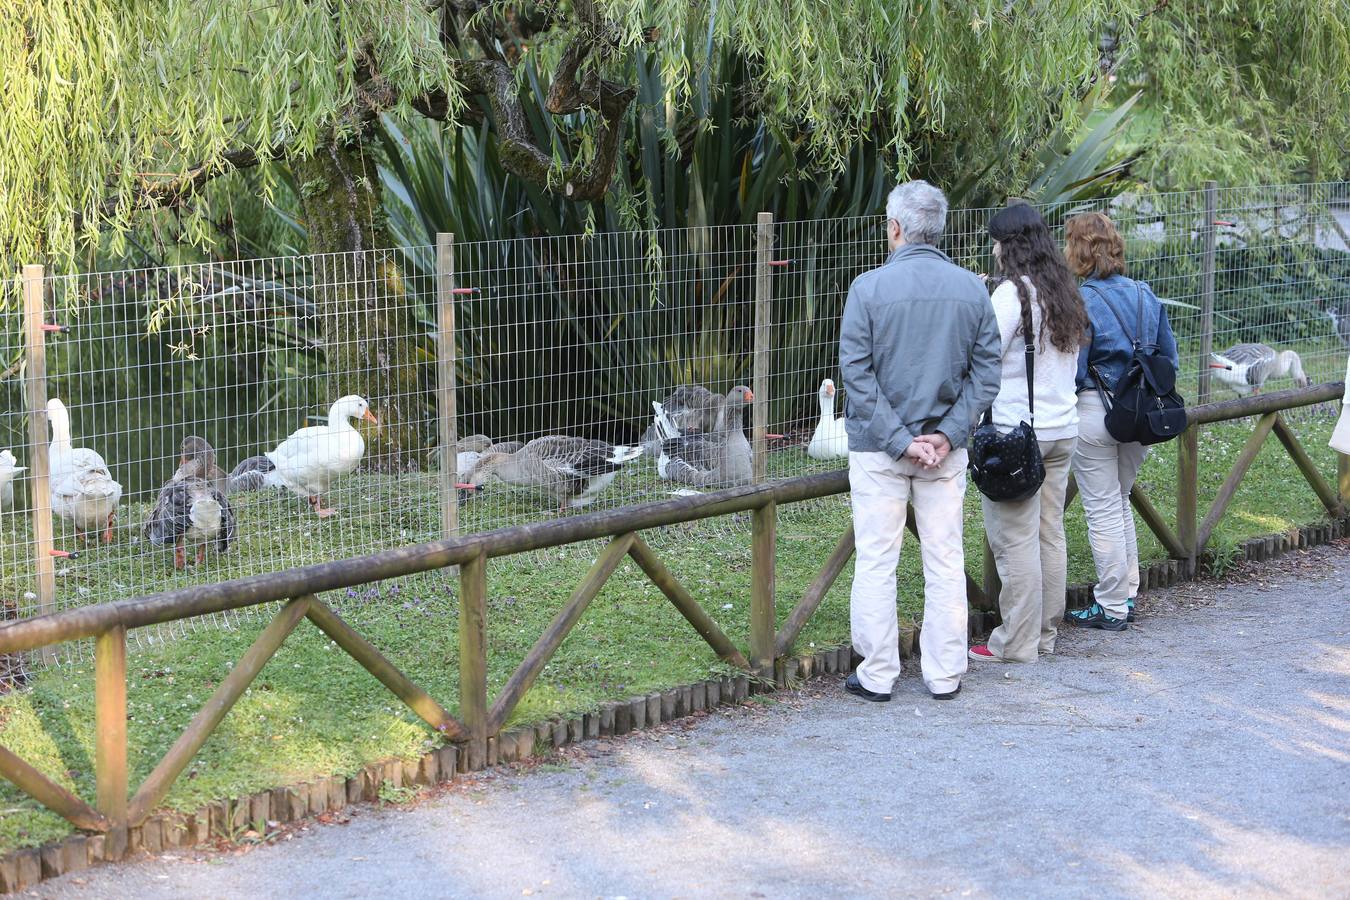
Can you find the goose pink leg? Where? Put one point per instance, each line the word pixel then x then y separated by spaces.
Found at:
pixel 320 510
pixel 108 532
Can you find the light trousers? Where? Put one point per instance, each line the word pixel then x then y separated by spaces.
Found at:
pixel 1106 470
pixel 881 487
pixel 1027 540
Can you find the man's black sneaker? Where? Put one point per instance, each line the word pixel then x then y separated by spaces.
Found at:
pixel 854 687
pixel 1094 617
pixel 1130 616
pixel 949 695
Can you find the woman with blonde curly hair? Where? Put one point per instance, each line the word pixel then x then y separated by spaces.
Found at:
pixel 1122 311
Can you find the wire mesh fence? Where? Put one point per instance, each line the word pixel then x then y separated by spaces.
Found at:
pixel 586 372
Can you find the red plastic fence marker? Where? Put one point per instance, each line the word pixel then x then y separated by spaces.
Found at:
pixel 780 263
pixel 465 291
pixel 1225 222
pixel 55 329
pixel 466 487
pixel 773 437
pixel 63 554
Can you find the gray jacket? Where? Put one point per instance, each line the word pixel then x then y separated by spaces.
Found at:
pixel 919 351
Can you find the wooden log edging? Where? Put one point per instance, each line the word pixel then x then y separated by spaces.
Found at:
pixel 230 818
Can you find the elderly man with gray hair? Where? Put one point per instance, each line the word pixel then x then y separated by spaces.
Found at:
pixel 920 355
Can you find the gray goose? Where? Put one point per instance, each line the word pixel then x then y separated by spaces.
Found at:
pixel 197 448
pixel 1339 315
pixel 1245 368
pixel 690 409
pixel 191 509
pixel 573 470
pixel 720 458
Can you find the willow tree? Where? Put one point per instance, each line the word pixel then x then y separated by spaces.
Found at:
pixel 114 107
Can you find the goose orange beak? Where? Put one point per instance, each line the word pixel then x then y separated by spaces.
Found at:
pixel 750 395
pixel 370 417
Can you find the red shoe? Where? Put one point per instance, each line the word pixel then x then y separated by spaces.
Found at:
pixel 983 653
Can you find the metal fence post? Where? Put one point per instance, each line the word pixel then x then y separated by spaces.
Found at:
pixel 473 708
pixel 759 410
pixel 763 584
pixel 447 386
pixel 35 388
pixel 1207 287
pixel 110 734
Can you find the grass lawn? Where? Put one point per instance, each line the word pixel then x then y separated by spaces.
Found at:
pixel 314 711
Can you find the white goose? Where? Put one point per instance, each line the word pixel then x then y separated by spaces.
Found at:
pixel 307 462
pixel 830 440
pixel 8 472
pixel 1245 368
pixel 82 488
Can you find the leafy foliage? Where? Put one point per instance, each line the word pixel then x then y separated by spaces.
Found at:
pixel 114 107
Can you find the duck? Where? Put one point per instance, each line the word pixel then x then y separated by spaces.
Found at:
pixel 575 470
pixel 8 472
pixel 308 461
pixel 200 449
pixel 192 509
pixel 688 409
pixel 82 489
pixel 830 440
pixel 1245 368
pixel 468 450
pixel 1339 315
pixel 720 458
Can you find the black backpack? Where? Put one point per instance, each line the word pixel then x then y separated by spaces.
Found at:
pixel 1008 467
pixel 1145 407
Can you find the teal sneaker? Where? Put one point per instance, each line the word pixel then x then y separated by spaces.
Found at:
pixel 1130 616
pixel 1094 617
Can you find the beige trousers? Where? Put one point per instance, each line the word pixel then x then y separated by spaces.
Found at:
pixel 1106 469
pixel 881 487
pixel 1027 540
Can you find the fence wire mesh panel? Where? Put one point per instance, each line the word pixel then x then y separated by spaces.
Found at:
pixel 591 372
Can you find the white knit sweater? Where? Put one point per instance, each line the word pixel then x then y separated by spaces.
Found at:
pixel 1056 403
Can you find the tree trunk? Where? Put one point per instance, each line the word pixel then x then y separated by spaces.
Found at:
pixel 370 330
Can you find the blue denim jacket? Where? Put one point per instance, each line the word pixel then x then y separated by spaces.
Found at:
pixel 1110 350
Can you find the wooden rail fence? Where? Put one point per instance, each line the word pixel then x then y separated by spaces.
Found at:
pixel 479 717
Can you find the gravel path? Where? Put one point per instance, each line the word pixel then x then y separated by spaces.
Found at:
pixel 1206 752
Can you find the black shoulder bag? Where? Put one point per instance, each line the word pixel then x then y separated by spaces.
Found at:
pixel 1144 407
pixel 1008 467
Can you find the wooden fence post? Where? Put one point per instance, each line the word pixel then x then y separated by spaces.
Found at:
pixel 759 410
pixel 110 734
pixel 763 577
pixel 1343 481
pixel 1207 287
pixel 473 707
pixel 35 387
pixel 447 401
pixel 1188 486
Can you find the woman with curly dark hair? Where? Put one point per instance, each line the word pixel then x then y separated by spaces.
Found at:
pixel 1122 311
pixel 1038 298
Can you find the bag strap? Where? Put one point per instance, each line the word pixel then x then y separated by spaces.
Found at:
pixel 1030 352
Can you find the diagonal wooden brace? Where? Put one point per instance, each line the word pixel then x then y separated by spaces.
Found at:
pixel 50 794
pixel 158 782
pixel 524 677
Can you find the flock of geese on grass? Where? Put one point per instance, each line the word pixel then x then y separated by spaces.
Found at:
pixel 697 439
pixel 192 509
